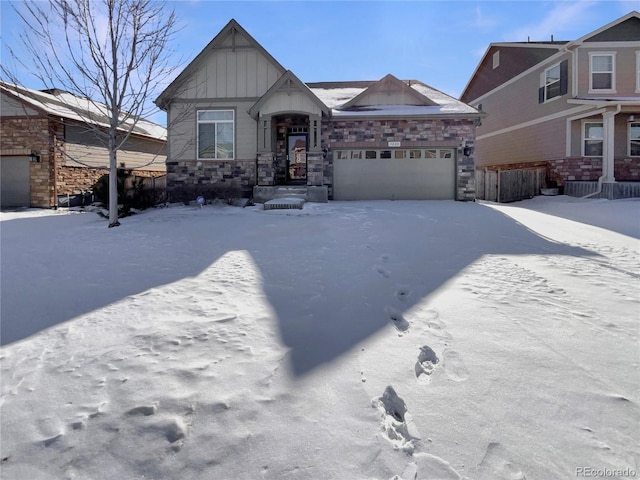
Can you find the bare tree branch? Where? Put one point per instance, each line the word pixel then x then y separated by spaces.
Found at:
pixel 112 54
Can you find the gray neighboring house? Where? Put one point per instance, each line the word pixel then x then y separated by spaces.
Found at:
pixel 238 117
pixel 566 112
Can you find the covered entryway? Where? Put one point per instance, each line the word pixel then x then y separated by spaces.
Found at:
pixel 395 174
pixel 15 190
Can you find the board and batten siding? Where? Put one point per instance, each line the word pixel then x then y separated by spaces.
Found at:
pixel 242 73
pixel 183 135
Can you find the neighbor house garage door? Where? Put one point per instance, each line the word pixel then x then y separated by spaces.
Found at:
pixel 394 174
pixel 15 188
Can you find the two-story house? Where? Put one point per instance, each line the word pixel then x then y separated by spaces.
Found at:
pixel 49 149
pixel 238 117
pixel 560 112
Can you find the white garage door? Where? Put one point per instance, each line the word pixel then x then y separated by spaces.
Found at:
pixel 15 190
pixel 394 174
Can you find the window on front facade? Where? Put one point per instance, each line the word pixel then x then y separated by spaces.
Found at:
pixel 552 82
pixel 602 71
pixel 593 139
pixel 216 134
pixel 634 139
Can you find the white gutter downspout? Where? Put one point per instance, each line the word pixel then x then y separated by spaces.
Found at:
pixel 608 158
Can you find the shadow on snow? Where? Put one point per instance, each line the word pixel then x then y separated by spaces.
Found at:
pixel 322 273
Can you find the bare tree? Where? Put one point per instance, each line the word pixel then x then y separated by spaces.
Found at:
pixel 112 53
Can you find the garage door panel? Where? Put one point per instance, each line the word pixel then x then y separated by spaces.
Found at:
pixel 394 179
pixel 15 190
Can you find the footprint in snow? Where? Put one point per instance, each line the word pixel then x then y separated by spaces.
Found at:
pixel 396 424
pixel 402 293
pixel 427 361
pixel 453 366
pixel 382 271
pixel 398 321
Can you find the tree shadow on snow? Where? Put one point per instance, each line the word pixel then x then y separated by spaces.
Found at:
pixel 333 279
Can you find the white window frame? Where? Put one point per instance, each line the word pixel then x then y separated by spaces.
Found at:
pixel 558 82
pixel 584 138
pixel 612 72
pixel 233 125
pixel 496 59
pixel 637 124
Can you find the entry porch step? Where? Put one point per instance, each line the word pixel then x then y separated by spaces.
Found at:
pixel 264 193
pixel 284 203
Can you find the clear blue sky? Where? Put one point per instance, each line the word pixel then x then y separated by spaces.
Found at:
pixel 437 42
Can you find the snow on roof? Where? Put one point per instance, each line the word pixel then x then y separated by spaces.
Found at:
pixel 337 94
pixel 335 97
pixel 70 106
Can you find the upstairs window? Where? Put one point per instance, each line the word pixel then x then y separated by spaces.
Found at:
pixel 634 139
pixel 555 82
pixel 593 136
pixel 496 59
pixel 602 68
pixel 215 134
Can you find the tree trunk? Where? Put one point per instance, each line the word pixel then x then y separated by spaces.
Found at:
pixel 113 185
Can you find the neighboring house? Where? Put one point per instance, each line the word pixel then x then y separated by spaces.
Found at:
pixel 47 150
pixel 238 117
pixel 570 109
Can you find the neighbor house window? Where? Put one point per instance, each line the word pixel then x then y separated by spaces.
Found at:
pixel 496 59
pixel 216 134
pixel 602 68
pixel 593 139
pixel 634 139
pixel 554 81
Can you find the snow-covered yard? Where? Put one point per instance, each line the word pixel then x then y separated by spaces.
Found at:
pixel 349 340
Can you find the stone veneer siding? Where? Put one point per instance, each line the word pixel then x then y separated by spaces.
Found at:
pixel 590 169
pixel 21 136
pixel 445 133
pixel 50 176
pixel 337 134
pixel 208 172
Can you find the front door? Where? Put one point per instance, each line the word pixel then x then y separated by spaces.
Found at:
pixel 297 158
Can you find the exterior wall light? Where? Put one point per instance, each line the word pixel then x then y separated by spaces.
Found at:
pixel 34 157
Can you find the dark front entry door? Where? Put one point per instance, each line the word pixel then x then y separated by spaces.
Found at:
pixel 297 158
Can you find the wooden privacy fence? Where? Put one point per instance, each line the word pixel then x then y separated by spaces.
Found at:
pixel 509 185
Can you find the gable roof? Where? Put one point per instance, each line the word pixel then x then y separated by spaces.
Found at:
pixel 229 33
pixel 387 84
pixel 72 107
pixel 340 96
pixel 623 29
pixel 521 56
pixel 290 81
